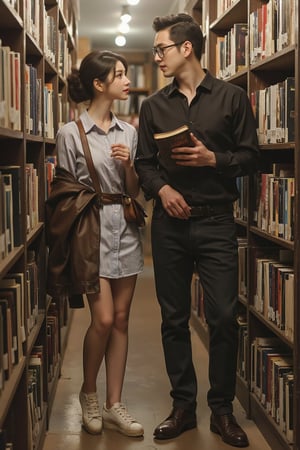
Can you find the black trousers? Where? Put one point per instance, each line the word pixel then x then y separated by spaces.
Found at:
pixel 210 244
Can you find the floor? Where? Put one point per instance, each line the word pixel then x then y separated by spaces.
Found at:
pixel 146 389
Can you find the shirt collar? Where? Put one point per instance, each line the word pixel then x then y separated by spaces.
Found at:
pixel 206 83
pixel 89 124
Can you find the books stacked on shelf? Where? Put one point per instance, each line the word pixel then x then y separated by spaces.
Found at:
pixel 232 51
pixel 271 28
pixel 223 5
pixel 12 318
pixel 35 391
pixel 275 201
pixel 33 101
pixel 274 111
pixel 274 291
pixel 50 36
pixel 10 92
pixel 6 221
pixel 64 57
pixel 32 192
pixel 272 381
pixel 32 19
pixel 10 199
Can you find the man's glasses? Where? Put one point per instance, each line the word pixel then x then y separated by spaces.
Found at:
pixel 160 51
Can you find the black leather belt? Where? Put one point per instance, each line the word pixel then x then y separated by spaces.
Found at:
pixel 210 210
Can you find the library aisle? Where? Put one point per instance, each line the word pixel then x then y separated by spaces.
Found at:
pixel 146 389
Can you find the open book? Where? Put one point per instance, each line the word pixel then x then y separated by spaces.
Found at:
pixel 180 137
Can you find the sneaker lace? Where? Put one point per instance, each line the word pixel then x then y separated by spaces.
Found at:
pixel 92 407
pixel 124 414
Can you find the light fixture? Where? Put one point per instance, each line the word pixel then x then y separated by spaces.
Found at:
pixel 133 2
pixel 120 40
pixel 124 27
pixel 125 14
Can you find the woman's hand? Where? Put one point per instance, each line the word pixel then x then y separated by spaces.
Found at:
pixel 122 153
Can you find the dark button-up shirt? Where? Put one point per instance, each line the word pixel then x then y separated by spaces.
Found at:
pixel 219 115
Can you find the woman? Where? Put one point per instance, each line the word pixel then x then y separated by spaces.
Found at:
pixel 101 79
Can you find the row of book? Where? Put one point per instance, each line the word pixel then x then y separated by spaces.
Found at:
pixel 274 111
pixel 10 206
pixel 11 232
pixel 272 28
pixel 32 19
pixel 63 57
pixel 232 51
pixel 36 98
pixel 35 393
pixel 272 380
pixel 10 88
pixel 32 197
pixel 19 293
pixel 50 37
pixel 223 5
pixel 274 292
pixel 275 201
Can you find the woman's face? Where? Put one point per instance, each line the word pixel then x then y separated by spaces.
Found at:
pixel 117 85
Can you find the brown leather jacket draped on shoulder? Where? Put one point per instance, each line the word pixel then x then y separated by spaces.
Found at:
pixel 73 238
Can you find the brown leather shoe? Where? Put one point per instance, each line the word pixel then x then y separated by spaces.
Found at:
pixel 176 423
pixel 230 431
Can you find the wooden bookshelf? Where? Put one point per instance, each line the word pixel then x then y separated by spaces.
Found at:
pixel 42 42
pixel 267 64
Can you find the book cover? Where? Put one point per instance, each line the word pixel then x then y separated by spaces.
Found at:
pixel 166 141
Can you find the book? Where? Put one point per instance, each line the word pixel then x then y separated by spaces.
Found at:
pixel 166 141
pixel 15 172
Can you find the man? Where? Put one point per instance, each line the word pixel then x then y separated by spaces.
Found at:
pixel 192 224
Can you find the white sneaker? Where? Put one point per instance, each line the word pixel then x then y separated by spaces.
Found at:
pixel 118 418
pixel 91 417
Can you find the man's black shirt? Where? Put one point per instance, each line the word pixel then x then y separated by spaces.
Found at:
pixel 220 116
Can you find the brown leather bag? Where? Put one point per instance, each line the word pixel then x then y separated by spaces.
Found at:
pixel 133 211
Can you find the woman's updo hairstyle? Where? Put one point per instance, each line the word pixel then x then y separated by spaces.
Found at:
pixel 97 64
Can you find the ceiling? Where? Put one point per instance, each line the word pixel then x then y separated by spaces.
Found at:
pixel 99 20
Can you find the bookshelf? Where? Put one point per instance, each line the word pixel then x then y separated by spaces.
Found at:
pixel 267 213
pixel 38 42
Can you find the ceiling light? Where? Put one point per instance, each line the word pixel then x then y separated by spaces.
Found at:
pixel 125 15
pixel 123 27
pixel 120 40
pixel 133 2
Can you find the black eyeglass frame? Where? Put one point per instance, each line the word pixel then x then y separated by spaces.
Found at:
pixel 160 51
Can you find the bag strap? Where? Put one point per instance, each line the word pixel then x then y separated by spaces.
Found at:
pixel 88 157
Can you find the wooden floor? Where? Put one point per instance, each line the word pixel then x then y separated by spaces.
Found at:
pixel 146 389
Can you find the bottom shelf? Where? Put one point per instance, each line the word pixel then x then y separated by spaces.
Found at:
pixel 275 438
